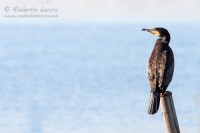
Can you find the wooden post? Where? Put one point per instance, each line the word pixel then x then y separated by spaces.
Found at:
pixel 169 113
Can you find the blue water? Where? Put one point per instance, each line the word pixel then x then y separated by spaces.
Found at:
pixel 91 78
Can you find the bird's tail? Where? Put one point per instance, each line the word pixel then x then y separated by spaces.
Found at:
pixel 154 103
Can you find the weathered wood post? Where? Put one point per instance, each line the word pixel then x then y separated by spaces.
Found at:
pixel 169 113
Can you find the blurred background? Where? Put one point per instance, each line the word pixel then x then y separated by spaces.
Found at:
pixel 81 66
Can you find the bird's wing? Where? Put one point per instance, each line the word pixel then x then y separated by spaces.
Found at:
pixel 152 76
pixel 167 69
pixel 161 66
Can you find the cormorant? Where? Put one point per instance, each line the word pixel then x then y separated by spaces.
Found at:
pixel 160 68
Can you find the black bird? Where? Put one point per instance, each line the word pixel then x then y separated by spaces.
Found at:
pixel 160 68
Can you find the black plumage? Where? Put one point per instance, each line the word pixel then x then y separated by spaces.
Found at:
pixel 160 68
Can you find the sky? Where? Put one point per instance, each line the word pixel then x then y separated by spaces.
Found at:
pixel 125 11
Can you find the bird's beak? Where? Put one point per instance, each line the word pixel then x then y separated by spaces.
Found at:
pixel 152 31
pixel 148 30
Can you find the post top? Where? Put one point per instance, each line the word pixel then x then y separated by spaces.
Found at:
pixel 167 93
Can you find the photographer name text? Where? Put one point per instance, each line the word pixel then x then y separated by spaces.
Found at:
pixel 24 9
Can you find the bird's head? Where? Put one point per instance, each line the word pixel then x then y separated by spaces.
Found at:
pixel 160 32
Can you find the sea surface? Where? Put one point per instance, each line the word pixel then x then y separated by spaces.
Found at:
pixel 92 78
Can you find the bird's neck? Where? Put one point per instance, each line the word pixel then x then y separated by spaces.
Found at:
pixel 165 39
